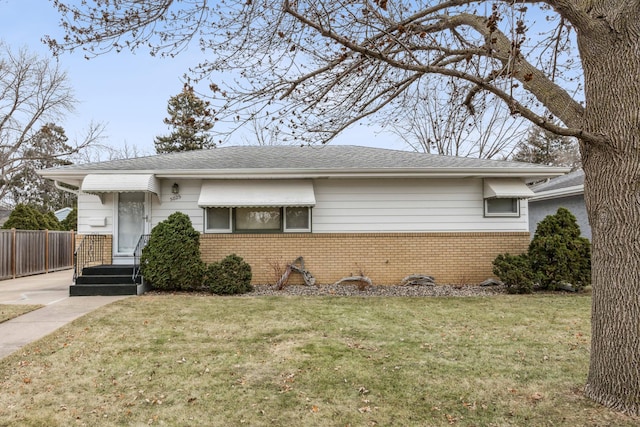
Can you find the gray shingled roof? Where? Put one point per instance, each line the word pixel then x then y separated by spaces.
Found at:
pixel 330 157
pixel 565 181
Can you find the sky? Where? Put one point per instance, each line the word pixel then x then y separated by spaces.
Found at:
pixel 127 93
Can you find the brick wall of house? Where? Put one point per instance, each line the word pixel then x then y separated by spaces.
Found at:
pixel 107 242
pixel 452 258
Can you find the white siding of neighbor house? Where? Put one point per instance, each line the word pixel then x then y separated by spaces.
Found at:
pixel 406 205
pixel 346 206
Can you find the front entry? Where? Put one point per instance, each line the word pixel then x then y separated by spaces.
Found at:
pixel 131 217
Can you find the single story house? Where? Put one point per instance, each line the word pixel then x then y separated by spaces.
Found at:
pixel 565 191
pixel 346 209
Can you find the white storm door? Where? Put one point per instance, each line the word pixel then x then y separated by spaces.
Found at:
pixel 131 222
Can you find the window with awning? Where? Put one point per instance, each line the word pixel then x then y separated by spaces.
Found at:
pixel 502 196
pixel 252 206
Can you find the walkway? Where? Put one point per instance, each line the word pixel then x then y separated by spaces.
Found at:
pixel 50 290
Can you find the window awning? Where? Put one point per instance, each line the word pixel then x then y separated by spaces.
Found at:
pixel 506 188
pixel 255 193
pixel 120 183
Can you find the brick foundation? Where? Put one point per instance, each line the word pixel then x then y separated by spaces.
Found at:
pixel 452 258
pixel 97 255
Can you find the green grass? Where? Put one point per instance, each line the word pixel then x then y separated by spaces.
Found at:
pixel 10 311
pixel 314 361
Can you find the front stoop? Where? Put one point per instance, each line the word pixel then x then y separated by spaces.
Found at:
pixel 107 280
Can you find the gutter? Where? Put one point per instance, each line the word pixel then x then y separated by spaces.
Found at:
pixel 576 190
pixel 56 183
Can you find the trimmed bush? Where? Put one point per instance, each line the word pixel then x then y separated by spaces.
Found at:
pixel 557 257
pixel 230 276
pixel 558 254
pixel 171 260
pixel 515 272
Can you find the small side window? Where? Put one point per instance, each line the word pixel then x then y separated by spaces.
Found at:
pixel 218 220
pixel 297 219
pixel 502 207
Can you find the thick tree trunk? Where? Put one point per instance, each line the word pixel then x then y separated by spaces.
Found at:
pixel 610 53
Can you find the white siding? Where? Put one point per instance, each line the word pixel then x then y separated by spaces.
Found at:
pixel 91 209
pixel 405 205
pixel 346 206
pixel 186 202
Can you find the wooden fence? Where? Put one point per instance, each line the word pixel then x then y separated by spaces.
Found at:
pixel 27 252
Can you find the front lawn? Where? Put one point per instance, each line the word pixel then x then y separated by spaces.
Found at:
pixel 312 361
pixel 10 311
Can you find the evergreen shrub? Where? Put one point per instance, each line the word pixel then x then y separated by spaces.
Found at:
pixel 558 254
pixel 171 260
pixel 230 276
pixel 515 272
pixel 27 217
pixel 557 257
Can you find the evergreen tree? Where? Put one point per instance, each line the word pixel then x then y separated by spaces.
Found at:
pixel 546 148
pixel 191 119
pixel 26 186
pixel 71 221
pixel 25 217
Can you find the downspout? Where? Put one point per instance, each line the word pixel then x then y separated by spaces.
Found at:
pixel 67 189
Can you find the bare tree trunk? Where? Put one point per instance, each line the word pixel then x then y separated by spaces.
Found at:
pixel 611 61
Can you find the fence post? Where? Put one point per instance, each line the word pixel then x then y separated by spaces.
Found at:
pixel 13 253
pixel 73 247
pixel 46 251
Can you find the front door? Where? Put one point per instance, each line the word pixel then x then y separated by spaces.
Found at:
pixel 131 223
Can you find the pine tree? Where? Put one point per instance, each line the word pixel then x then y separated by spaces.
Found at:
pixel 191 119
pixel 42 151
pixel 546 148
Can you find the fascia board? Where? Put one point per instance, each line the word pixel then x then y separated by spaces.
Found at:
pixel 525 173
pixel 559 192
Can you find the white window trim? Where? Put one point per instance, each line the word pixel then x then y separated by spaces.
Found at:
pixel 488 214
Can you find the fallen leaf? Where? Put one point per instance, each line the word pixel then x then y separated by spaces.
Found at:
pixel 537 396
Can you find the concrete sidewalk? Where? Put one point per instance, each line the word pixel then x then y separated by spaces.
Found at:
pixel 50 290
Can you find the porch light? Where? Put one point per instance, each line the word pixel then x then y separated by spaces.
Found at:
pixel 175 188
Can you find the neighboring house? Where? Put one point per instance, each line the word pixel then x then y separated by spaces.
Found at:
pixel 346 209
pixel 564 191
pixel 5 212
pixel 61 214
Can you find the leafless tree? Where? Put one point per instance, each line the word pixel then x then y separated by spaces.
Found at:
pixel 33 91
pixel 322 65
pixel 438 122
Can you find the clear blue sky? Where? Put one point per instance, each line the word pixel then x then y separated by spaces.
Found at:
pixel 126 92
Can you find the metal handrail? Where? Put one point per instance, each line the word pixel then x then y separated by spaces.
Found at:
pixel 91 251
pixel 137 253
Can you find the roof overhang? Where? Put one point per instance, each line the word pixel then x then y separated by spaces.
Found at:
pixel 527 174
pixel 506 188
pixel 254 193
pixel 576 190
pixel 120 183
